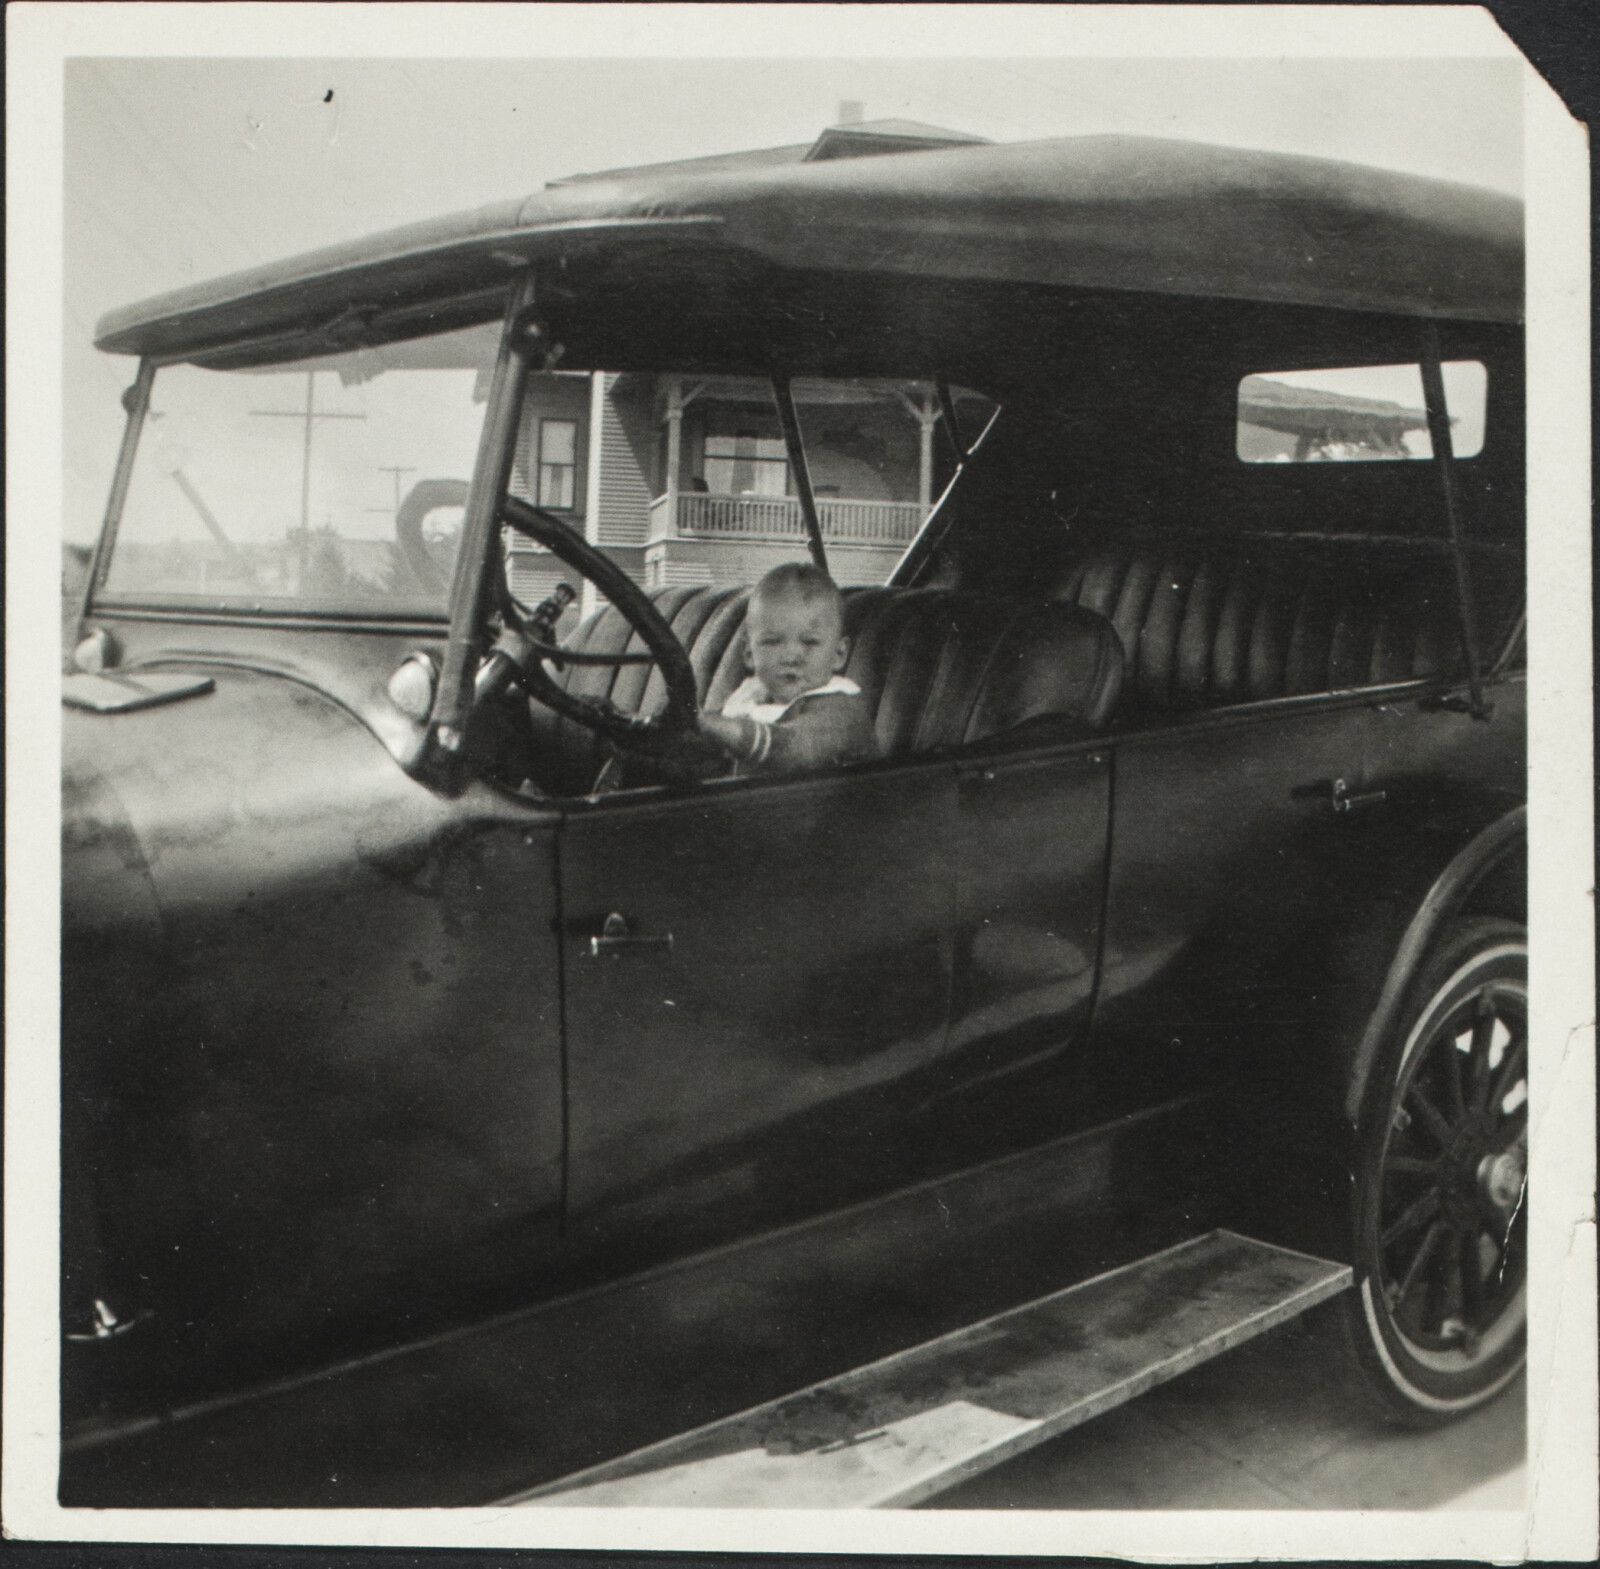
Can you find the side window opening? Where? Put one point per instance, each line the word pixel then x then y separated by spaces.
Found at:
pixel 1355 414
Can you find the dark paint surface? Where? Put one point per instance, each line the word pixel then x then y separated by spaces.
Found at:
pixel 1250 924
pixel 734 1075
pixel 1029 887
pixel 312 1035
pixel 507 1405
pixel 1225 840
pixel 276 1171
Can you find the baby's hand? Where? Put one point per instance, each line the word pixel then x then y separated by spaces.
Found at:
pixel 729 734
pixel 742 739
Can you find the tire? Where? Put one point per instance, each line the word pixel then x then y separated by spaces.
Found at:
pixel 1438 1317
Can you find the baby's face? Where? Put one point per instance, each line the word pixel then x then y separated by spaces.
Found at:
pixel 795 643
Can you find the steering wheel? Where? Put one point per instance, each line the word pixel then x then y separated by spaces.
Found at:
pixel 670 733
pixel 427 495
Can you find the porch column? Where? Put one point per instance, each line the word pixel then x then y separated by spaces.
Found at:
pixel 925 411
pixel 927 418
pixel 674 452
pixel 589 602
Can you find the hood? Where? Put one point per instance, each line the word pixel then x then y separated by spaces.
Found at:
pixel 230 796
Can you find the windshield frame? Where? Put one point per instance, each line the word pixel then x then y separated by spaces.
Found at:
pixel 97 602
pixel 136 401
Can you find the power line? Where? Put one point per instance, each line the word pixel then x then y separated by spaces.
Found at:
pixel 99 358
pixel 99 212
pixel 136 119
pixel 397 471
pixel 309 416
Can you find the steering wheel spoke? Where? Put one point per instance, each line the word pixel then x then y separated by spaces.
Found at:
pixel 665 735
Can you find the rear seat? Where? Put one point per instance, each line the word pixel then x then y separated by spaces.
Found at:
pixel 1234 627
pixel 936 667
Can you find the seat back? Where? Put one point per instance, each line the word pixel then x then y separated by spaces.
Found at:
pixel 1226 626
pixel 937 668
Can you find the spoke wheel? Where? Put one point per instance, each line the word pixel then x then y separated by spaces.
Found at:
pixel 427 550
pixel 1440 1308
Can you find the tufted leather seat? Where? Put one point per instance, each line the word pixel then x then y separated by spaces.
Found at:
pixel 1202 631
pixel 937 668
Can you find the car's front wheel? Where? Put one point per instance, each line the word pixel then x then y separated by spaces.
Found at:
pixel 1439 1311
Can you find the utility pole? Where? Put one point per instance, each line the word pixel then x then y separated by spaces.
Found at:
pixel 309 415
pixel 397 471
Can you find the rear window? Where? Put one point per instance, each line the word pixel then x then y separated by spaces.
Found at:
pixel 1356 414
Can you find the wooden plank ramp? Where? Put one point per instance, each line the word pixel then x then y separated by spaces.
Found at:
pixel 897 1431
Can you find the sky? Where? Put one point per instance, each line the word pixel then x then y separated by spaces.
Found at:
pixel 177 170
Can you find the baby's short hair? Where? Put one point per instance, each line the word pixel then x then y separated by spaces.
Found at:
pixel 805 580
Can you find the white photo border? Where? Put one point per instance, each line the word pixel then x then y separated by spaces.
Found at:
pixel 1560 1518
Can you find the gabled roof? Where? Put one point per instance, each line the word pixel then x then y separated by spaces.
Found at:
pixel 870 138
pixel 1095 212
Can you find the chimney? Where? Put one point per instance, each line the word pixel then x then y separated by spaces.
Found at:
pixel 851 111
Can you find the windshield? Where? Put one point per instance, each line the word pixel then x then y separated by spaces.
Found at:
pixel 333 485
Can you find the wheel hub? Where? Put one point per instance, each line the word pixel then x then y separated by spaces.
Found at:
pixel 1500 1178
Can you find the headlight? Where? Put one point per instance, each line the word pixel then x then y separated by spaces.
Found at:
pixel 98 651
pixel 412 685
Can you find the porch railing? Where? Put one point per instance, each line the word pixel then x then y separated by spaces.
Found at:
pixel 846 522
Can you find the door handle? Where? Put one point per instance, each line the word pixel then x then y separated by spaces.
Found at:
pixel 617 937
pixel 1344 801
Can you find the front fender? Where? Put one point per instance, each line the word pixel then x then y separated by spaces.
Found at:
pixel 1500 847
pixel 310 1031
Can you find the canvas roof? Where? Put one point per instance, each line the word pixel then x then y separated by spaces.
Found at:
pixel 858 139
pixel 1098 212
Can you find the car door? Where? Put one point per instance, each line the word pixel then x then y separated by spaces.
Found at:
pixel 1233 832
pixel 756 974
pixel 1032 829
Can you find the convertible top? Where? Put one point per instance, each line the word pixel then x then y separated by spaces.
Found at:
pixel 1097 212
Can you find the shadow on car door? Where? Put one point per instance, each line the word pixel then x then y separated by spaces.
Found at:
pixel 754 971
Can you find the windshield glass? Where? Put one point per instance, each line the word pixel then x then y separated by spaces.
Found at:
pixel 329 485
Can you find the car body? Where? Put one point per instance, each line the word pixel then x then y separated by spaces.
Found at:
pixel 386 1005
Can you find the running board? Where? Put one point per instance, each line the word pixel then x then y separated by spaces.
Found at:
pixel 897 1431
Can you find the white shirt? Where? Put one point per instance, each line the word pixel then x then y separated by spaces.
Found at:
pixel 749 699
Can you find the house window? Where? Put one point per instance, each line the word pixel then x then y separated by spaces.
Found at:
pixel 558 462
pixel 746 464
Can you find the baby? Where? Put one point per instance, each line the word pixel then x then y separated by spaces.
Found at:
pixel 795 711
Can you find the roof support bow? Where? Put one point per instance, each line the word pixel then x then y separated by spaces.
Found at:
pixel 789 418
pixel 1445 456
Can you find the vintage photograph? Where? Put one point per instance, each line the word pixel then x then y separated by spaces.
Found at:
pixel 794 783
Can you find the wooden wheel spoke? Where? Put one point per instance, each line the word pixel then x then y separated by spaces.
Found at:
pixel 1471 1268
pixel 1431 1315
pixel 1512 1131
pixel 1411 1166
pixel 1511 1068
pixel 1455 1083
pixel 1478 1058
pixel 1412 1216
pixel 1419 1262
pixel 1430 1115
